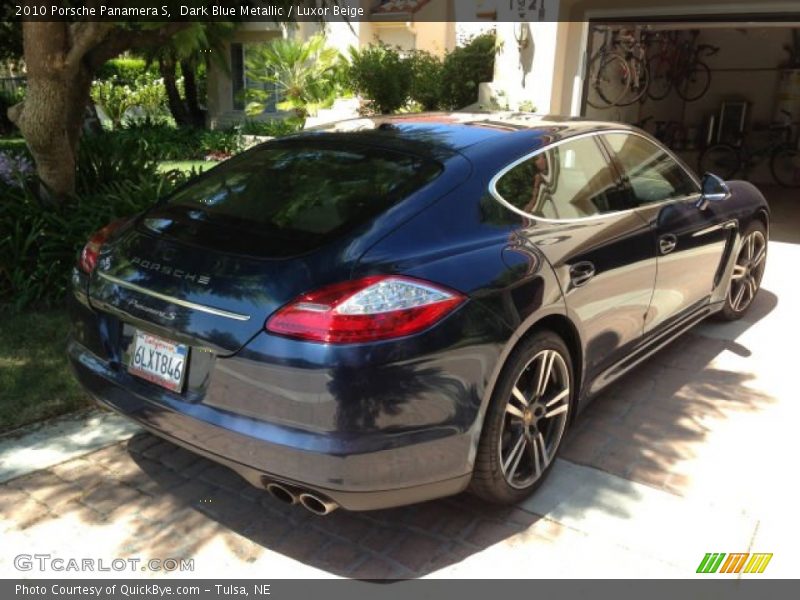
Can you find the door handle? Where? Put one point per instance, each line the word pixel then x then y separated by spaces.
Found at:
pixel 580 273
pixel 667 243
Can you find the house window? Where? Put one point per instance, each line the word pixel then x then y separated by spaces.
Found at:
pixel 241 82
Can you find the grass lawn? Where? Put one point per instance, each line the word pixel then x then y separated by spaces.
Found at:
pixel 12 143
pixel 35 380
pixel 186 165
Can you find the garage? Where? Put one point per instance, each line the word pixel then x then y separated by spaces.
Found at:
pixel 723 95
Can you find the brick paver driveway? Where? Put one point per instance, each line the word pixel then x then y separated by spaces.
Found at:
pixel 686 455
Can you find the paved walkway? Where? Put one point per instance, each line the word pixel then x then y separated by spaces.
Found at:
pixel 692 453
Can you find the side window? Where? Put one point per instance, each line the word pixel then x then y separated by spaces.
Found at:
pixel 654 175
pixel 569 181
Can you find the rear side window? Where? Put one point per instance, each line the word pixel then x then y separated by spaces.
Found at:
pixel 305 187
pixel 653 174
pixel 568 181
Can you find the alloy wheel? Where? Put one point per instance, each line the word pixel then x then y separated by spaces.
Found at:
pixel 535 419
pixel 748 271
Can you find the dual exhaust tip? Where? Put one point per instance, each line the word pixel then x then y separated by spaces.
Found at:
pixel 319 505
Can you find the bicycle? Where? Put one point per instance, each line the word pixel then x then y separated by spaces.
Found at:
pixel 726 160
pixel 679 65
pixel 618 74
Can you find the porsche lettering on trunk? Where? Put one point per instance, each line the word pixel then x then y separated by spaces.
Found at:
pixel 152 265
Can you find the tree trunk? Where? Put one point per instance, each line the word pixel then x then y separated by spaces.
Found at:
pixel 166 66
pixel 189 70
pixel 51 115
pixel 61 59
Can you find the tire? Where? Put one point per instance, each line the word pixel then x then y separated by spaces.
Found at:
pixel 745 280
pixel 721 159
pixel 695 83
pixel 638 90
pixel 785 167
pixel 660 71
pixel 609 80
pixel 518 445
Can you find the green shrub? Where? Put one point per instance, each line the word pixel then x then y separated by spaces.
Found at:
pixel 380 75
pixel 388 81
pixel 464 68
pixel 163 142
pixel 116 176
pixel 151 98
pixel 39 242
pixel 114 98
pixel 109 158
pixel 426 75
pixel 273 127
pixel 128 71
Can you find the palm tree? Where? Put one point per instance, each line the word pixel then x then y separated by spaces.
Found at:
pixel 306 75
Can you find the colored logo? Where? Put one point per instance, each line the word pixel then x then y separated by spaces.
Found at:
pixel 743 562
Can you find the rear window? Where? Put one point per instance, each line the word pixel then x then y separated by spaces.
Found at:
pixel 301 188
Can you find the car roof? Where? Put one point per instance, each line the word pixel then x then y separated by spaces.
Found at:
pixel 439 134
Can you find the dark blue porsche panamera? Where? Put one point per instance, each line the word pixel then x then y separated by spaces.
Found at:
pixel 385 311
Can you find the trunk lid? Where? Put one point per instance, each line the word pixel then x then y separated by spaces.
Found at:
pixel 207 266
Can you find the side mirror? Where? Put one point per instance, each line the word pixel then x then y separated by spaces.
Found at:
pixel 714 190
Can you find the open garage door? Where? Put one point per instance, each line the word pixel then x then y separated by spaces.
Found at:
pixel 724 96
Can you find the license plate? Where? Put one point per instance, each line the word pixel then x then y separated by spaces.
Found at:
pixel 158 360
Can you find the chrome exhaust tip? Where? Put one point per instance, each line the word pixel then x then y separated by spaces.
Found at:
pixel 317 505
pixel 281 493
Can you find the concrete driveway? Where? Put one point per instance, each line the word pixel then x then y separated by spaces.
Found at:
pixel 693 453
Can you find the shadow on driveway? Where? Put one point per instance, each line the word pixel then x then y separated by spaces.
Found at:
pixel 158 500
pixel 643 428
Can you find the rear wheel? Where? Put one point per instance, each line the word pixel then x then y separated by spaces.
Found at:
pixel 610 79
pixel 660 70
pixel 785 167
pixel 526 420
pixel 747 273
pixel 695 83
pixel 639 81
pixel 720 159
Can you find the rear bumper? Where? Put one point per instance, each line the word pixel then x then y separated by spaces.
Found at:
pixel 358 471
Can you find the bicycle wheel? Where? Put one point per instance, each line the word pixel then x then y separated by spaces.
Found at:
pixel 660 77
pixel 785 166
pixel 721 159
pixel 609 80
pixel 638 87
pixel 695 83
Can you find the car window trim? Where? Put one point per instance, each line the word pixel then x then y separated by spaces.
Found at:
pixel 496 195
pixel 626 179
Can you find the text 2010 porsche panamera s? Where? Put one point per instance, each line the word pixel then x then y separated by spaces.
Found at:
pixel 389 310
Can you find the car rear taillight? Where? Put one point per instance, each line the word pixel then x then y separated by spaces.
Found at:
pixel 88 258
pixel 365 310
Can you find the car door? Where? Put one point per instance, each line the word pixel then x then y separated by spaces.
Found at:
pixel 690 238
pixel 601 251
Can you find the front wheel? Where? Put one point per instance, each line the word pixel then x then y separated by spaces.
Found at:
pixel 639 81
pixel 785 167
pixel 660 70
pixel 526 420
pixel 610 78
pixel 720 159
pixel 695 82
pixel 747 273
